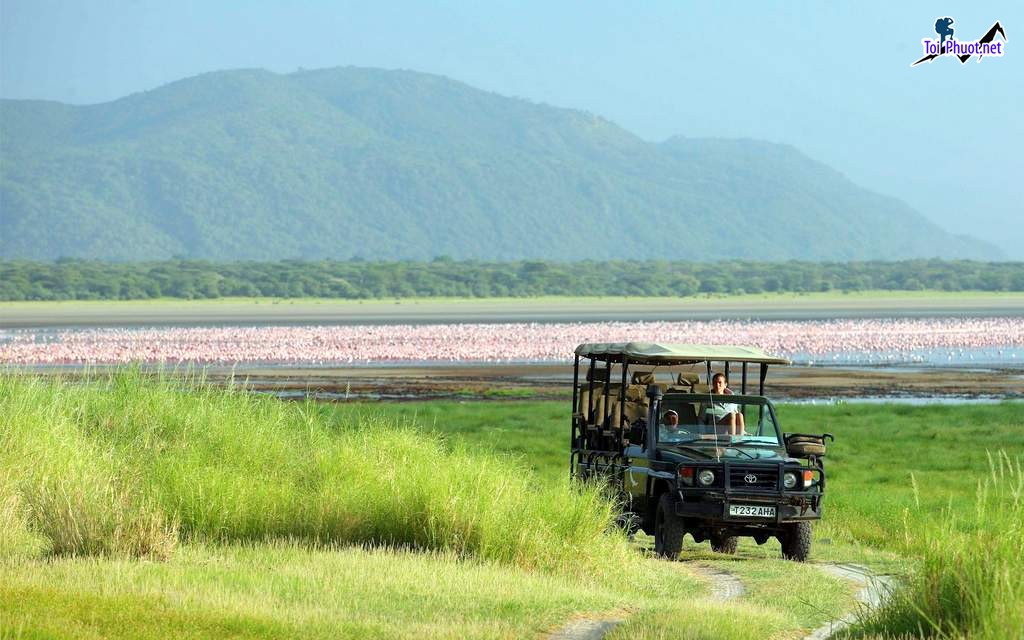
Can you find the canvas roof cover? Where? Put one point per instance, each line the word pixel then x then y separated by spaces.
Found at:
pixel 654 353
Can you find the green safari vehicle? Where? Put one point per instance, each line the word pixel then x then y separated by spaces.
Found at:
pixel 687 454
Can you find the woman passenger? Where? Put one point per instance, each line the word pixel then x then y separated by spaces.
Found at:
pixel 723 414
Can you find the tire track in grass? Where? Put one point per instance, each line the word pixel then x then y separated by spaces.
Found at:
pixel 725 586
pixel 585 629
pixel 875 590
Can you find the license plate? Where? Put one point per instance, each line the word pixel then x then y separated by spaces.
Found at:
pixel 751 511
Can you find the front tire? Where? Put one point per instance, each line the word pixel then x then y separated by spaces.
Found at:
pixel 796 541
pixel 668 529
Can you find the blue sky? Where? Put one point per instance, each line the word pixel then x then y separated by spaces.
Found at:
pixel 833 80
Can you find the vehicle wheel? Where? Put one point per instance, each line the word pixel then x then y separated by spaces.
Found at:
pixel 724 544
pixel 668 529
pixel 796 541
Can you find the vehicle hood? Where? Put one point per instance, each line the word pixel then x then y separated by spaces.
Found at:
pixel 726 453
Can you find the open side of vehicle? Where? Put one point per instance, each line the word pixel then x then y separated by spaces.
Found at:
pixel 688 460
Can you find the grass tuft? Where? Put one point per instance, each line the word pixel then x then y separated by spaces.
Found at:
pixel 93 517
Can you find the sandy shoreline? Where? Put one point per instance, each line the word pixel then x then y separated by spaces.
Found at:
pixel 774 307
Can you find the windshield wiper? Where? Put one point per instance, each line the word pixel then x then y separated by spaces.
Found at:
pixel 729 446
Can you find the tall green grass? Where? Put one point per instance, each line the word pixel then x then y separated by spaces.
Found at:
pixel 130 466
pixel 62 491
pixel 970 583
pixel 127 466
pixel 941 485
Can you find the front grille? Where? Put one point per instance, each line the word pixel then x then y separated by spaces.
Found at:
pixel 764 478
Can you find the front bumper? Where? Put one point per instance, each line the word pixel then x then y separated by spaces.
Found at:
pixel 714 507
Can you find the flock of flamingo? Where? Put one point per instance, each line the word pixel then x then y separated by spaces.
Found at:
pixel 850 341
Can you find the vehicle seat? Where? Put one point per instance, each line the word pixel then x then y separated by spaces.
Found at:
pixel 613 413
pixel 636 402
pixel 583 397
pixel 591 413
pixel 687 379
pixel 598 410
pixel 643 377
pixel 598 377
pixel 687 414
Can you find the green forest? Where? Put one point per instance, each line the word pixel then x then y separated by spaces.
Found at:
pixel 337 164
pixel 72 279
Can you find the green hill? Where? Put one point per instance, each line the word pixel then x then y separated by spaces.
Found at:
pixel 351 162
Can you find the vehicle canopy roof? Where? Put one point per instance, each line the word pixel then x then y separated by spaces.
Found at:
pixel 654 353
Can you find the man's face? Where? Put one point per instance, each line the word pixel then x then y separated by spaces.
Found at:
pixel 671 418
pixel 718 384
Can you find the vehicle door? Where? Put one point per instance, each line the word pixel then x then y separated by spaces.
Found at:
pixel 636 477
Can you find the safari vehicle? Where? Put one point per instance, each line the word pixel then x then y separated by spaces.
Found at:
pixel 719 468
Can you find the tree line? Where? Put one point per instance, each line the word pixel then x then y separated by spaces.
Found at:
pixel 74 279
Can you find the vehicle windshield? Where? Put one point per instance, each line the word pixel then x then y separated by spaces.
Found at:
pixel 712 419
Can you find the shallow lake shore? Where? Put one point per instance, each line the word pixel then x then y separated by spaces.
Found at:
pixel 541 381
pixel 553 309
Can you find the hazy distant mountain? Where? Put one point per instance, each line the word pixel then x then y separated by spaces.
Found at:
pixel 348 162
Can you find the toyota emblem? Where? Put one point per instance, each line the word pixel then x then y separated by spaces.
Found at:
pixel 750 478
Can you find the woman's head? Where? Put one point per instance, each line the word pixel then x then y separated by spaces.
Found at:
pixel 719 383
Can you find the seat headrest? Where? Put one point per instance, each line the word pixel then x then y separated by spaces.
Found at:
pixel 643 377
pixel 636 392
pixel 688 378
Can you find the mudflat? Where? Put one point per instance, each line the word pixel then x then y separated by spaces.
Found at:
pixel 553 309
pixel 554 381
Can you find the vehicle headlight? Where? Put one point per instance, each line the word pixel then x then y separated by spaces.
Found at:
pixel 789 479
pixel 706 477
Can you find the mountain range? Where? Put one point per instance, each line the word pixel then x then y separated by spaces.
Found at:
pixel 367 163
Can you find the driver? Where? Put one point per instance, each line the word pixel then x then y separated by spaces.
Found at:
pixel 725 416
pixel 670 419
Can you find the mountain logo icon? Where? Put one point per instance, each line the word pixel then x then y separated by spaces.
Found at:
pixel 948 45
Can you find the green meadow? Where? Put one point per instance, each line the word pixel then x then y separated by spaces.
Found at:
pixel 138 507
